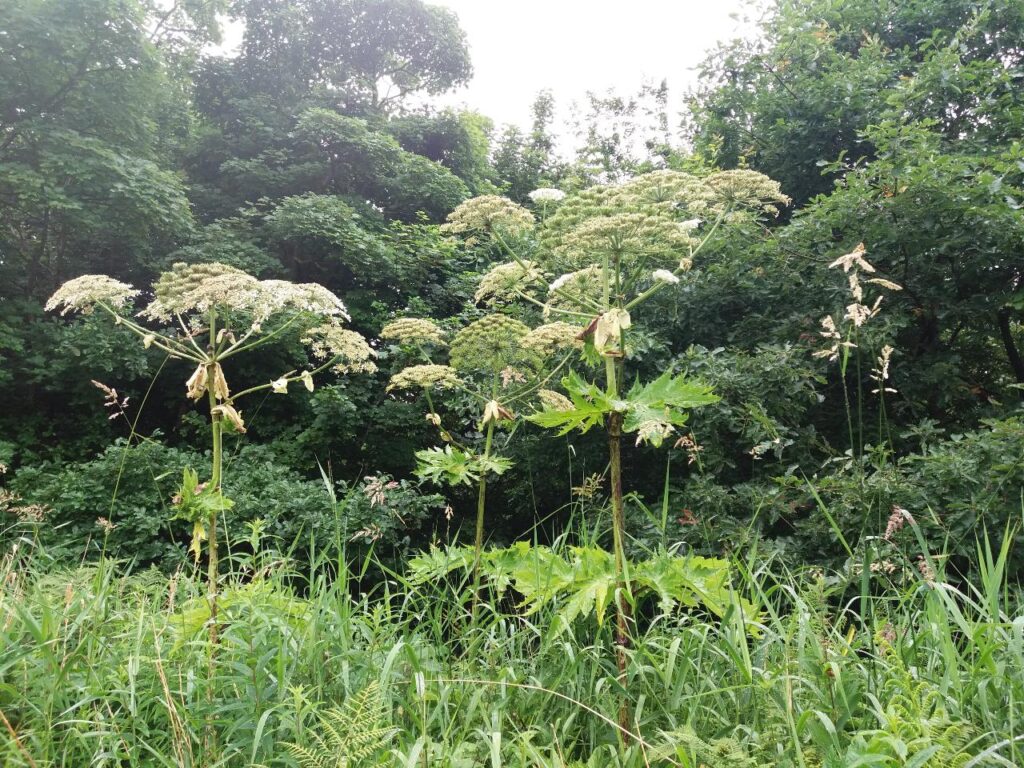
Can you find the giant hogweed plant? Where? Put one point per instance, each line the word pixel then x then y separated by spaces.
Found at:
pixel 501 366
pixel 206 314
pixel 614 248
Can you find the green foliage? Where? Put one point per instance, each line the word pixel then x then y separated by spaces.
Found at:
pixel 584 582
pixel 347 736
pixel 194 503
pixel 453 466
pixel 651 410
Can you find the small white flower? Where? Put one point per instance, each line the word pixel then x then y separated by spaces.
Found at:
pixel 148 339
pixel 664 276
pixel 561 281
pixel 280 386
pixel 547 195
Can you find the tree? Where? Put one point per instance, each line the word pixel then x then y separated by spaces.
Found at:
pixel 81 183
pixel 802 92
pixel 367 55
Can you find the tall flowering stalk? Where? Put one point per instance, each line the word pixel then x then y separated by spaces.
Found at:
pixel 501 365
pixel 615 248
pixel 206 314
pixel 842 336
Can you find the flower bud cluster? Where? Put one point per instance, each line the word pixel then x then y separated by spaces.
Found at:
pixel 413 330
pixel 425 377
pixel 491 344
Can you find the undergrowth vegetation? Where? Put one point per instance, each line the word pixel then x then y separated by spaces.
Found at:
pixel 99 667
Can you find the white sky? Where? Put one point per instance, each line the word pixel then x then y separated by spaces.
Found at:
pixel 520 47
pixel 571 46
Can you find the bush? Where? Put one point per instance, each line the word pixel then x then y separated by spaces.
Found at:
pixel 130 487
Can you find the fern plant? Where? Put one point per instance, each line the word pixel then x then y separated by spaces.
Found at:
pixel 347 736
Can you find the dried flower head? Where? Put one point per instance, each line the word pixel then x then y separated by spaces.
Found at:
pixel 83 293
pixel 425 377
pixel 880 373
pixel 608 329
pixel 897 519
pixel 501 284
pixel 413 330
pixel 491 344
pixel 831 333
pixel 550 338
pixel 484 214
pixel 853 260
pixel 350 350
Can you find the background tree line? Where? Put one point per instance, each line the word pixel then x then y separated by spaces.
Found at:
pixel 125 146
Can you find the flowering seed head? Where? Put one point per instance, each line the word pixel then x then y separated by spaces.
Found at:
pixel 350 350
pixel 83 293
pixel 413 330
pixel 425 377
pixel 748 189
pixel 550 338
pixel 547 195
pixel 198 288
pixel 483 215
pixel 500 284
pixel 632 237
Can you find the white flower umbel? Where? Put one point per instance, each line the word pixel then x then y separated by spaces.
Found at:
pixel 83 293
pixel 664 276
pixel 547 195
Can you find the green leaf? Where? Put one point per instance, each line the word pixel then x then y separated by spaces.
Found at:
pixel 590 406
pixel 452 466
pixel 655 408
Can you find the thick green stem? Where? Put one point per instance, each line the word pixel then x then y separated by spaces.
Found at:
pixel 216 480
pixel 481 503
pixel 622 588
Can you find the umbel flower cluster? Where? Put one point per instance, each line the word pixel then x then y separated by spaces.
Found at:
pixel 484 215
pixel 237 311
pixel 413 331
pixel 492 344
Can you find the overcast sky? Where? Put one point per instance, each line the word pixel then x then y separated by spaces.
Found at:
pixel 572 46
pixel 520 47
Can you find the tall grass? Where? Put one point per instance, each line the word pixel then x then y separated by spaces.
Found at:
pixel 99 667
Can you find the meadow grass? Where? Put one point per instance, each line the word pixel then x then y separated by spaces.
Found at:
pixel 101 666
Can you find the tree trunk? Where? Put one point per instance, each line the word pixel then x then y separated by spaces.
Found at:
pixel 1012 353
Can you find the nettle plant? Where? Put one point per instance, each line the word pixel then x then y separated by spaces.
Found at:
pixel 207 314
pixel 613 248
pixel 501 365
